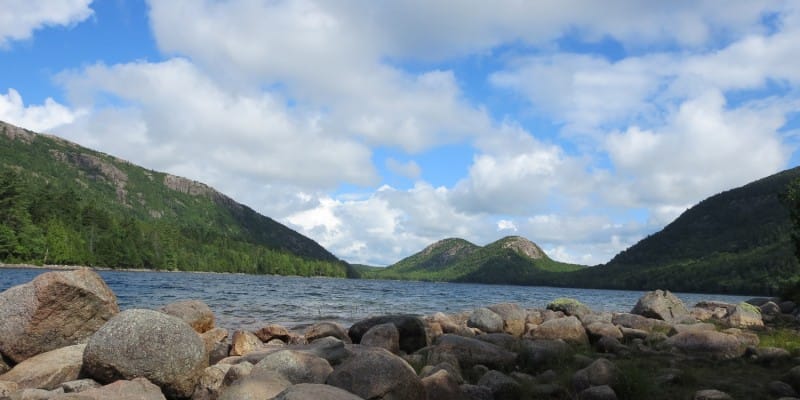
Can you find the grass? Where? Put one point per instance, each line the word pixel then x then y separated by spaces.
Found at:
pixel 783 337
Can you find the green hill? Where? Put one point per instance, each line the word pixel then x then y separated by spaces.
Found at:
pixel 64 204
pixel 738 241
pixel 511 260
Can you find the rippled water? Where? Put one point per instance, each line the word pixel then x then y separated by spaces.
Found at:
pixel 250 301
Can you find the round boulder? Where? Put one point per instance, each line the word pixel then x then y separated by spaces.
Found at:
pixel 710 344
pixel 55 310
pixel 661 304
pixel 194 312
pixel 325 329
pixel 569 329
pixel 305 391
pixel 384 335
pixel 412 330
pixel 569 307
pixel 486 320
pixel 295 366
pixel 375 373
pixel 148 344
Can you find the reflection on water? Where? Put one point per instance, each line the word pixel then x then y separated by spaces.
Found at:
pixel 250 301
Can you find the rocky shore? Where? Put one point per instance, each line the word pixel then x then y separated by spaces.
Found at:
pixel 62 336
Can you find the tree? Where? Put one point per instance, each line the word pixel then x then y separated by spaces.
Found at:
pixel 791 200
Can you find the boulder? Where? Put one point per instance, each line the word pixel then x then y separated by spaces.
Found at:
pixel 770 308
pixel 486 320
pixel 244 342
pixel 255 388
pixel 237 371
pixel 194 312
pixel 213 336
pixel 469 352
pixel 504 340
pixel 502 386
pixel 442 386
pixel 325 329
pixel 788 306
pixel 712 344
pixel 307 391
pixel 48 370
pixel 661 304
pixel 273 331
pixel 55 310
pixel 475 392
pixel 33 394
pixel 135 389
pixel 384 335
pixel 745 315
pixel 600 372
pixel 639 322
pixel 445 322
pixel 701 326
pixel 607 344
pixel 210 383
pixel 792 377
pixel 539 354
pixel 602 392
pixel 79 385
pixel 513 317
pixel 597 330
pixel 781 389
pixel 711 394
pixel 6 388
pixel 568 329
pixel 412 330
pixel 295 366
pixel 148 344
pixel 569 307
pixel 375 373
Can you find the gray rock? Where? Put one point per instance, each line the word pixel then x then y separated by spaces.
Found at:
pixel 194 312
pixel 412 330
pixel 504 340
pixel 6 388
pixel 442 386
pixel 639 322
pixel 210 383
pixel 602 392
pixel 475 392
pixel 486 320
pixel 136 389
pixel 792 377
pixel 568 329
pixel 541 354
pixel 295 366
pixel 307 391
pixel 711 394
pixel 237 371
pixel 787 307
pixel 48 370
pixel 79 385
pixel 770 308
pixel 661 304
pixel 255 388
pixel 710 344
pixel 374 373
pixel 598 329
pixel 607 344
pixel 771 355
pixel 148 344
pixel 513 317
pixel 701 326
pixel 32 394
pixel 218 352
pixel 781 389
pixel 244 342
pixel 447 324
pixel 569 307
pixel 273 331
pixel 325 329
pixel 631 334
pixel 598 373
pixel 469 352
pixel 55 310
pixel 745 316
pixel 503 387
pixel 385 336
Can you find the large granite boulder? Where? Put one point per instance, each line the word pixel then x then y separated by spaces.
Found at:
pixel 55 310
pixel 711 344
pixel 598 373
pixel 570 329
pixel 295 366
pixel 440 385
pixel 384 335
pixel 375 373
pixel 326 329
pixel 194 312
pixel 255 388
pixel 661 304
pixel 502 386
pixel 244 342
pixel 135 389
pixel 569 307
pixel 48 370
pixel 412 330
pixel 639 322
pixel 486 320
pixel 513 317
pixel 469 352
pixel 211 381
pixel 745 315
pixel 148 344
pixel 308 391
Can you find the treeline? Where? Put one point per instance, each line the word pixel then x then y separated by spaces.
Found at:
pixel 49 223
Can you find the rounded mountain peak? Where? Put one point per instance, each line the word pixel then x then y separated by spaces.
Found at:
pixel 523 247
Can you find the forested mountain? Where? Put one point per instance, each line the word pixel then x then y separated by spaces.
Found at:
pixel 512 260
pixel 64 204
pixel 737 241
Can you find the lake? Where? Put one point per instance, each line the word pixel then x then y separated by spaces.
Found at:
pixel 251 301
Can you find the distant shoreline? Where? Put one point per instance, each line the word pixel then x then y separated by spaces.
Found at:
pixel 74 267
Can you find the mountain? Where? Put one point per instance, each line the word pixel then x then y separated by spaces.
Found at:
pixel 738 241
pixel 61 203
pixel 511 260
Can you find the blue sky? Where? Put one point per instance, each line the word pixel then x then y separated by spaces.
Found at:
pixel 377 128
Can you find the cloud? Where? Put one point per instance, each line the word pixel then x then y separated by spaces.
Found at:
pixel 40 118
pixel 410 169
pixel 21 17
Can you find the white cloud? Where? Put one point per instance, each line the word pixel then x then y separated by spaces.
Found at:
pixel 409 169
pixel 506 225
pixel 20 18
pixel 40 118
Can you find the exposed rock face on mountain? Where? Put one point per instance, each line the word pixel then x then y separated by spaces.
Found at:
pixel 524 247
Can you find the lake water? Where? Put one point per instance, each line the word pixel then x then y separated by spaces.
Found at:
pixel 251 301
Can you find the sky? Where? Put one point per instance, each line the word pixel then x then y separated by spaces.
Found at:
pixel 379 127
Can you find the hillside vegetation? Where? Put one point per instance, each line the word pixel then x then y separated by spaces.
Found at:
pixel 64 204
pixel 511 260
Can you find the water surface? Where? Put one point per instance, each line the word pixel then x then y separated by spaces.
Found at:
pixel 251 301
